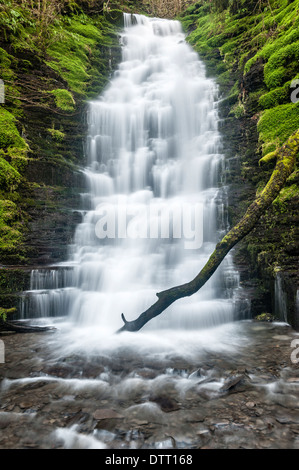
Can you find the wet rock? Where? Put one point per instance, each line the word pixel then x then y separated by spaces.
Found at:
pixel 147 373
pixel 78 418
pixel 195 418
pixel 166 404
pixel 232 384
pixel 61 371
pixel 107 419
pixel 26 404
pixel 107 413
pixel 287 419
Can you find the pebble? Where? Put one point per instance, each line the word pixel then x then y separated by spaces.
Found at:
pixel 250 404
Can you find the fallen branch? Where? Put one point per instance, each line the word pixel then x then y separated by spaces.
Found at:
pixel 18 326
pixel 285 163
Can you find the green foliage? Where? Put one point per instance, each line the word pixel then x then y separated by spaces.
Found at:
pixel 286 194
pixel 269 35
pixel 9 134
pixel 277 124
pixel 14 19
pixel 3 314
pixel 282 65
pixel 238 110
pixel 74 54
pixel 82 28
pixel 75 43
pixel 265 317
pixel 276 97
pixel 10 178
pixel 56 134
pixel 71 62
pixel 17 158
pixel 11 231
pixel 63 99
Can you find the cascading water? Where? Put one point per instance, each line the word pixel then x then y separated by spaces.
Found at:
pixel 153 209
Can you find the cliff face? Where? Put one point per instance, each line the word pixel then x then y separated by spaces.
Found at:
pixel 253 53
pixel 48 77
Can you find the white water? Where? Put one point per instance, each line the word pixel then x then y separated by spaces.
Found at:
pixel 154 149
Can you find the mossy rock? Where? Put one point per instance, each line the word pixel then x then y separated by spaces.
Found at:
pixel 277 124
pixel 4 312
pixel 64 99
pixel 265 317
pixel 10 178
pixel 115 17
pixel 57 135
pixel 9 134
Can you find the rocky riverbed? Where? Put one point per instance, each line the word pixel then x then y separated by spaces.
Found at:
pixel 223 397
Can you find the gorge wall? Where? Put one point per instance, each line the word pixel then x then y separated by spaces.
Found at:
pixel 252 49
pixel 48 76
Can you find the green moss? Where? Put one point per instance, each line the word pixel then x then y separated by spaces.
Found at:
pixel 3 314
pixel 56 134
pixel 78 48
pixel 286 194
pixel 11 231
pixel 17 158
pixel 9 134
pixel 265 317
pixel 8 212
pixel 71 63
pixel 279 65
pixel 269 158
pixel 275 78
pixel 238 110
pixel 63 99
pixel 275 97
pixel 6 311
pixel 85 29
pixel 10 178
pixel 277 124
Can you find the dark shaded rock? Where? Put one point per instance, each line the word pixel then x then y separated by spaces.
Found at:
pixel 107 419
pixel 233 384
pixel 166 404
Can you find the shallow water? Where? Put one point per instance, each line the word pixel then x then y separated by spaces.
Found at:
pixel 232 387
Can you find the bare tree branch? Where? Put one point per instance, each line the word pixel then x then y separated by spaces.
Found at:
pixel 285 163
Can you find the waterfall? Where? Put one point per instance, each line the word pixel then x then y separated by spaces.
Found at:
pixel 154 207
